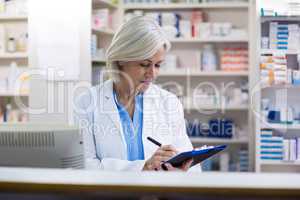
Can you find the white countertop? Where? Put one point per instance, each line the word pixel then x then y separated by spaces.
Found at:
pixel 152 179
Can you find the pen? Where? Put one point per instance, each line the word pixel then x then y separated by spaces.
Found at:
pixel 158 144
pixel 154 141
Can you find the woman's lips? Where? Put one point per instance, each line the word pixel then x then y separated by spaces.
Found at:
pixel 146 82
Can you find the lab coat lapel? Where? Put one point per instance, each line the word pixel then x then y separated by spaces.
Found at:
pixel 150 108
pixel 111 111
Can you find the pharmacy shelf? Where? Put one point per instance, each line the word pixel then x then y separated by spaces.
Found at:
pixel 11 94
pixel 276 51
pixel 106 31
pixel 104 4
pixel 280 126
pixel 284 130
pixel 6 17
pixel 203 140
pixel 285 86
pixel 186 72
pixel 210 40
pixel 98 60
pixel 184 6
pixel 280 163
pixel 226 108
pixel 280 18
pixel 240 17
pixel 13 55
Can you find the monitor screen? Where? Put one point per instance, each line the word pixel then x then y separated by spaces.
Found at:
pixel 41 145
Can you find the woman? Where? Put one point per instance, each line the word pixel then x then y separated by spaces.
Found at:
pixel 118 115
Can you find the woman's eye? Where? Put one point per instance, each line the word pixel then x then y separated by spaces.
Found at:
pixel 145 65
pixel 148 65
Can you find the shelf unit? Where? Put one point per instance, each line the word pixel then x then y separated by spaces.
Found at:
pixel 11 94
pixel 231 141
pixel 5 17
pixel 198 73
pixel 103 31
pixel 273 51
pixel 211 40
pixel 226 108
pixel 280 127
pixel 14 55
pixel 13 24
pixel 104 35
pixel 287 131
pixel 280 166
pixel 285 86
pixel 240 15
pixel 183 6
pixel 280 18
pixel 104 4
pixel 280 163
pixel 99 60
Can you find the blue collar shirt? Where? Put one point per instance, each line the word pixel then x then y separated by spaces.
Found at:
pixel 132 128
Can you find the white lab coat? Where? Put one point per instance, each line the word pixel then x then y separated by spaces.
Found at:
pixel 104 142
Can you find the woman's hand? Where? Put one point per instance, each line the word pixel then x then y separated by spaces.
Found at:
pixel 162 154
pixel 186 165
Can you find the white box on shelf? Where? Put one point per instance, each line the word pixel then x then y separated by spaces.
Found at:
pixel 2 39
pixel 101 19
pixel 293 149
pixel 238 33
pixel 2 6
pixel 185 28
pixel 224 162
pixel 204 30
pixel 298 148
pixel 3 85
pixel 170 62
pixel 170 31
pixel 94 45
pixel 286 149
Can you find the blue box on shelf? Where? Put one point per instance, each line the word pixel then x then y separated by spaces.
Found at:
pixel 274 116
pixel 221 128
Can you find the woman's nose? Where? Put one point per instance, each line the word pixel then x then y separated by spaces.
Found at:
pixel 151 70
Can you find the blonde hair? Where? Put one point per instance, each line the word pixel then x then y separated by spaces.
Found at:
pixel 137 39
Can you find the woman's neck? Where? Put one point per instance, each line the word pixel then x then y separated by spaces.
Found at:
pixel 124 93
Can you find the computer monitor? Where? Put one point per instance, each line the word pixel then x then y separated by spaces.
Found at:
pixel 41 145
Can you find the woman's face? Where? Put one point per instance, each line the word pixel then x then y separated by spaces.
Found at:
pixel 143 73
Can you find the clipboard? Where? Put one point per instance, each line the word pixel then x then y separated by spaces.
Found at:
pixel 197 155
